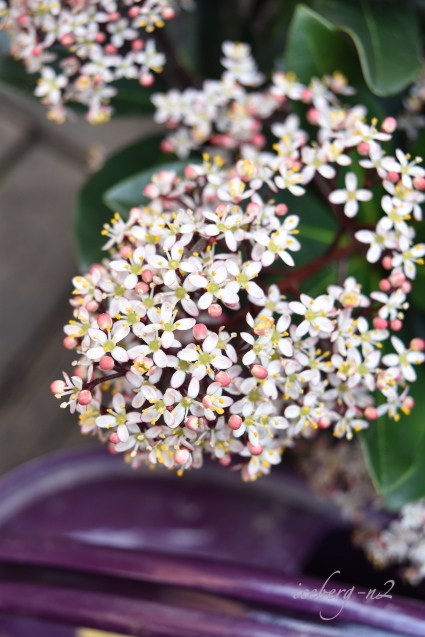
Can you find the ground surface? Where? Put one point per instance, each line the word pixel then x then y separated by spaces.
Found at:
pixel 42 166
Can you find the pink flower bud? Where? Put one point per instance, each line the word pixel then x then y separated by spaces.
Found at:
pixel 259 372
pixel 69 342
pixel 384 285
pixel 225 460
pixel 235 422
pixel 380 323
pixel 151 191
pixel 207 402
pixel 192 423
pixel 37 50
pixel 137 45
pixel 85 397
pixel 396 325
pixel 255 450
pixel 406 287
pixel 313 115
pixel 168 13
pixel 57 387
pixel 223 378
pixel 387 262
pixel 221 209
pixel 281 209
pixel 371 413
pixel 142 287
pixel 408 402
pixel 67 39
pixel 306 94
pixel 133 12
pixel 92 306
pixel 104 321
pixel 100 37
pixel 166 146
pixel 215 310
pixel 392 176
pixel 114 438
pixel 397 279
pixel 181 456
pixel 110 49
pixel 363 148
pixel 94 267
pixel 418 344
pixel 324 422
pixel 126 252
pixel 147 276
pixel 222 140
pixel 111 449
pixel 253 208
pixel 146 79
pixel 258 140
pixel 200 331
pixel 81 372
pixel 389 125
pixel 106 363
pixel 419 183
pixel 190 172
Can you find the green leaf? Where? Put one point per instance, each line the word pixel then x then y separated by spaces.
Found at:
pixel 386 36
pixel 128 193
pixel 395 452
pixel 91 213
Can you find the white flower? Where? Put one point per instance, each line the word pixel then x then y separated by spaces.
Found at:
pixel 107 343
pixel 250 270
pixel 404 359
pixel 126 423
pixel 350 196
pixel 206 357
pixel 170 265
pixel 163 318
pixel 216 284
pixel 315 313
pixel 50 85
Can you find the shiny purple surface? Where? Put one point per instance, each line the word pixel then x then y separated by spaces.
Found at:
pixel 84 540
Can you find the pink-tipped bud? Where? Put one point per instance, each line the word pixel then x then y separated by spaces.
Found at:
pixel 389 125
pixel 69 342
pixel 235 422
pixel 387 262
pixel 215 310
pixel 253 208
pixel 166 146
pixel 126 252
pixel 259 372
pixel 181 456
pixel 406 287
pixel 258 140
pixel 306 95
pixel 85 397
pixel 168 13
pixel 133 12
pixel 419 183
pixel 137 45
pixel 151 191
pixel 380 323
pixel 281 209
pixel 371 413
pixel 113 16
pixel 384 285
pixel 207 402
pixel 221 209
pixel 363 148
pixel 37 50
pixel 92 306
pixel 255 450
pixel 94 267
pixel 147 276
pixel 106 363
pixel 200 331
pixel 223 378
pixel 81 372
pixel 100 38
pixel 396 325
pixel 225 460
pixel 392 176
pixel 67 39
pixel 408 402
pixel 114 438
pixel 324 422
pixel 397 279
pixel 192 423
pixel 146 79
pixel 190 172
pixel 104 321
pixel 57 387
pixel 110 49
pixel 418 344
pixel 313 116
pixel 142 287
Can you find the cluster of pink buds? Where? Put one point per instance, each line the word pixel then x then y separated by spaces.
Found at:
pixel 186 346
pixel 80 47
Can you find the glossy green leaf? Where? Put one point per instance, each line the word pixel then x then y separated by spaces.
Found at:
pixel 91 212
pixel 128 193
pixel 386 36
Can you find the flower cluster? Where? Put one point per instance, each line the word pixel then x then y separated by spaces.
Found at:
pixel 80 47
pixel 185 348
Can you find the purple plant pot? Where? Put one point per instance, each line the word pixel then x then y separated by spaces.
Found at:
pixel 86 541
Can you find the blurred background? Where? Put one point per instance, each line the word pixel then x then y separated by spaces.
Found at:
pixel 42 166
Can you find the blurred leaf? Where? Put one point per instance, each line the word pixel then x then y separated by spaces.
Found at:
pixel 395 452
pixel 129 193
pixel 91 213
pixel 386 37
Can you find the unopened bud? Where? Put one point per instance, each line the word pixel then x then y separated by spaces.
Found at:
pixel 215 310
pixel 396 325
pixel 380 323
pixel 69 342
pixel 392 176
pixel 419 183
pixel 259 372
pixel 138 44
pixel 371 413
pixel 406 287
pixel 151 191
pixel 253 208
pixel 255 450
pixel 104 321
pixel 181 456
pixel 114 438
pixel 397 279
pixel 363 148
pixel 126 252
pixel 313 115
pixel 57 387
pixel 281 209
pixel 418 344
pixel 387 262
pixel 147 276
pixel 207 402
pixel 324 422
pixel 225 460
pixel 190 172
pixel 200 331
pixel 166 146
pixel 133 12
pixel 146 79
pixel 223 378
pixel 192 423
pixel 168 13
pixel 142 288
pixel 408 402
pixel 235 422
pixel 85 397
pixel 110 49
pixel 67 39
pixel 106 363
pixel 384 285
pixel 91 306
pixel 389 125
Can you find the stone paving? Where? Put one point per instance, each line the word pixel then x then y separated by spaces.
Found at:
pixel 42 166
